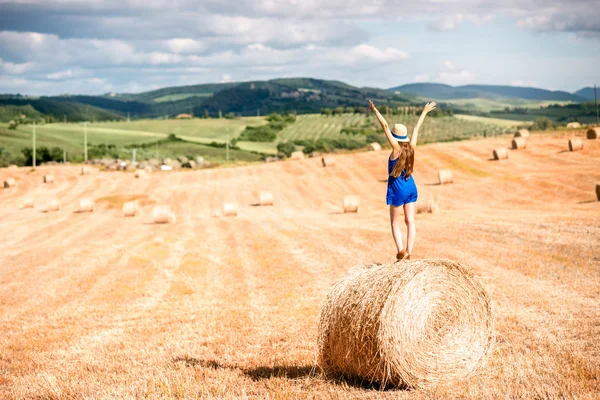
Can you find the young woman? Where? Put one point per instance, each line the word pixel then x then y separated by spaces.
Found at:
pixel 402 191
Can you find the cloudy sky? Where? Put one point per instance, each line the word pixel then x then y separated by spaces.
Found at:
pixel 97 46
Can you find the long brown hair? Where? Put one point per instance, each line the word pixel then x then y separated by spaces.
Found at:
pixel 406 161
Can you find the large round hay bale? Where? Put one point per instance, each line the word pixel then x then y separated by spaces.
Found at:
pixel 351 204
pixel 51 205
pixel 598 192
pixel 575 144
pixel 445 176
pixel 86 205
pixel 163 215
pixel 573 125
pixel 265 199
pixel 297 155
pixel 27 203
pixel 414 324
pixel 519 143
pixel 230 209
pixel 593 133
pixel 131 208
pixel 87 170
pixel 13 166
pixel 139 173
pixel 328 161
pixel 427 207
pixel 374 146
pixel 9 182
pixel 524 133
pixel 48 178
pixel 500 154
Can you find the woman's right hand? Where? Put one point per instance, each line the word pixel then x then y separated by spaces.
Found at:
pixel 429 107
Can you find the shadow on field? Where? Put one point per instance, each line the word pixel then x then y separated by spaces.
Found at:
pixel 281 371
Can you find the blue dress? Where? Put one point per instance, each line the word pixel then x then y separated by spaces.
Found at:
pixel 400 191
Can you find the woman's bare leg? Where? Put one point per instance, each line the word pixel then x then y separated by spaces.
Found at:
pixel 396 221
pixel 409 219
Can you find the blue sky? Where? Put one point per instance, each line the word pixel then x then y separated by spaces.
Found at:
pixel 98 46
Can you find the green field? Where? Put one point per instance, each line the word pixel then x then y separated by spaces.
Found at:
pixel 180 96
pixel 487 105
pixel 507 123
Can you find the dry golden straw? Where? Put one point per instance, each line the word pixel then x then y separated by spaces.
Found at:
pixel 524 133
pixel 445 176
pixel 131 208
pixel 328 161
pixel 519 143
pixel 575 144
pixel 428 207
pixel 8 183
pixel 230 209
pixel 500 154
pixel 351 204
pixel 86 205
pixel 593 133
pixel 410 324
pixel 48 179
pixel 374 146
pixel 163 215
pixel 297 155
pixel 265 199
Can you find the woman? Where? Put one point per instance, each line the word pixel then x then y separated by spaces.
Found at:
pixel 402 191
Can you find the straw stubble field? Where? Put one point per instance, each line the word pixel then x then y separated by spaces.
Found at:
pixel 96 305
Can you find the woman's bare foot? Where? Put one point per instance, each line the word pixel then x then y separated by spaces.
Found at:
pixel 402 255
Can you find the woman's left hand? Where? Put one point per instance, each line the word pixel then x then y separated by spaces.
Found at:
pixel 371 105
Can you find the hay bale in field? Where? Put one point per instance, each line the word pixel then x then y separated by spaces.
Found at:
pixel 199 161
pixel 27 203
pixel 163 215
pixel 593 133
pixel 598 192
pixel 86 205
pixel 351 204
pixel 575 144
pixel 519 143
pixel 413 323
pixel 297 155
pixel 328 161
pixel 445 176
pixel 573 125
pixel 131 208
pixel 500 154
pixel 87 170
pixel 265 199
pixel 9 182
pixel 230 209
pixel 12 166
pixel 139 173
pixel 427 207
pixel 374 146
pixel 48 178
pixel 524 133
pixel 51 205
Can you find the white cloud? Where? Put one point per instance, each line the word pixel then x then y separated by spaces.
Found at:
pixel 226 78
pixel 14 69
pixel 420 78
pixel 457 78
pixel 366 53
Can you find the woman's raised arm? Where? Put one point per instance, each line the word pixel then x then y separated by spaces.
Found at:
pixel 415 136
pixel 386 128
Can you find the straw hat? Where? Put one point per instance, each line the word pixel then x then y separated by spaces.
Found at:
pixel 399 132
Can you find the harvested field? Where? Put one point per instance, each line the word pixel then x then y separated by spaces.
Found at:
pixel 97 305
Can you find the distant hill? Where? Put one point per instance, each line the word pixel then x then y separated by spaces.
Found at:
pixel 55 109
pixel 447 92
pixel 177 92
pixel 587 93
pixel 303 95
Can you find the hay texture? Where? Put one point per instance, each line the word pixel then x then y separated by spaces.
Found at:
pixel 51 205
pixel 297 155
pixel 48 178
pixel 351 204
pixel 131 208
pixel 374 146
pixel 8 183
pixel 27 203
pixel 410 324
pixel 524 133
pixel 230 209
pixel 575 144
pixel 445 176
pixel 265 199
pixel 593 133
pixel 500 154
pixel 519 143
pixel 427 207
pixel 163 215
pixel 328 161
pixel 86 205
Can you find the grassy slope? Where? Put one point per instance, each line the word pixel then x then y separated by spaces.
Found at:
pixel 508 123
pixel 180 96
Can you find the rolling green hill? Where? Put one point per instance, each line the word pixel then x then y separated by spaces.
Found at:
pixel 58 109
pixel 587 93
